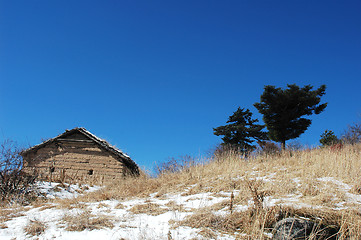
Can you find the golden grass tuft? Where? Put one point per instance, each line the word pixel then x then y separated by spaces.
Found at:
pixel 70 203
pixel 252 222
pixel 120 206
pixel 103 205
pixel 35 228
pixel 173 206
pixel 149 209
pixel 46 206
pixel 356 188
pixel 86 220
pixel 208 233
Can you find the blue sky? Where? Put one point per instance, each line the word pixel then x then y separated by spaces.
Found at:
pixel 155 77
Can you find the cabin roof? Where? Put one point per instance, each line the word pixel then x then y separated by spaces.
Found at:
pixel 101 142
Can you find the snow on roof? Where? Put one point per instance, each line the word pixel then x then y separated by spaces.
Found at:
pixel 98 139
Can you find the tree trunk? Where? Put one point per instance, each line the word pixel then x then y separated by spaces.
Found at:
pixel 283 145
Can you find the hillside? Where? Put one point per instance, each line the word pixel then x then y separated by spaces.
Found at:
pixel 225 197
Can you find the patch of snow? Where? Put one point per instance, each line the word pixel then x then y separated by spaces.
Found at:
pixel 354 198
pixel 269 201
pixel 267 178
pixel 241 208
pixel 336 182
pixel 56 190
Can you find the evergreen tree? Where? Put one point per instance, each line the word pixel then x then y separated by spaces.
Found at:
pixel 328 138
pixel 241 131
pixel 283 110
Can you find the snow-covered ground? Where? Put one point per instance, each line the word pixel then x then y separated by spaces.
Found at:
pixel 128 219
pixel 127 225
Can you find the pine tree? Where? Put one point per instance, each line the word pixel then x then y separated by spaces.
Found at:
pixel 328 138
pixel 283 110
pixel 241 131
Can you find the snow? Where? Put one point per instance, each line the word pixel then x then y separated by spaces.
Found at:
pixel 343 187
pixel 340 184
pixel 56 190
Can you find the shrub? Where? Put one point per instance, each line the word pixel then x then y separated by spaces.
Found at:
pixel 295 146
pixel 352 134
pixel 173 165
pixel 15 185
pixel 268 148
pixel 10 157
pixel 223 150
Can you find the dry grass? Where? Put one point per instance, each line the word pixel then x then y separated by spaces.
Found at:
pixel 252 222
pixel 69 203
pixel 356 187
pixel 102 205
pixel 46 206
pixel 6 214
pixel 173 206
pixel 280 176
pixel 148 208
pixel 86 220
pixel 255 222
pixel 346 223
pixel 35 228
pixel 120 206
pixel 225 174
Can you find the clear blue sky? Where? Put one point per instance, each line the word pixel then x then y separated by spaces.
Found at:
pixel 154 77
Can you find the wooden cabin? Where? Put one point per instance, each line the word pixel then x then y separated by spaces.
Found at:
pixel 78 155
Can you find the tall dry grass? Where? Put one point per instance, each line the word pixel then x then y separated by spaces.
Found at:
pixel 280 175
pixel 229 171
